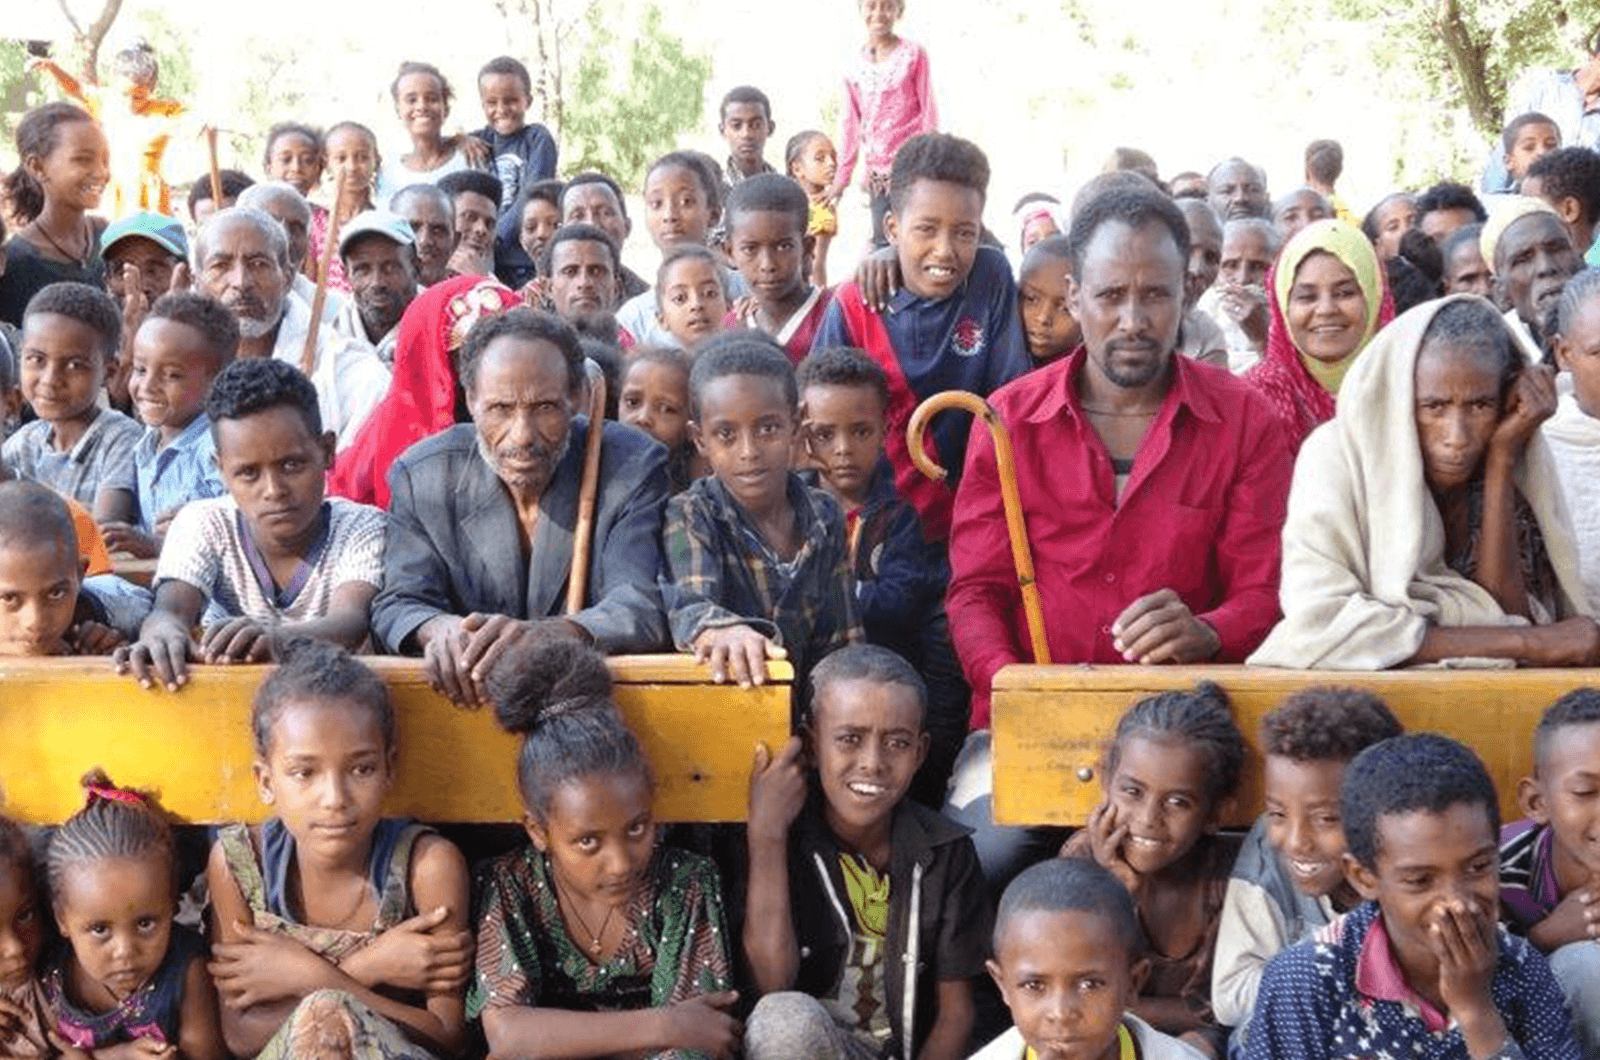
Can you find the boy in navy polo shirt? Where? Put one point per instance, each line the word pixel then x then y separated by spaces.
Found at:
pixel 952 326
pixel 1420 970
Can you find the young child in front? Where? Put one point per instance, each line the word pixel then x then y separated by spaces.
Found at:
pixel 25 1024
pixel 273 559
pixel 70 335
pixel 900 576
pixel 520 152
pixel 888 101
pixel 1169 774
pixel 45 609
pixel 184 342
pixel 1549 863
pixel 683 203
pixel 691 296
pixel 655 398
pixel 1069 959
pixel 810 159
pixel 1051 330
pixel 853 887
pixel 758 565
pixel 128 981
pixel 1289 878
pixel 336 931
pixel 767 218
pixel 595 940
pixel 1420 967
pixel 953 324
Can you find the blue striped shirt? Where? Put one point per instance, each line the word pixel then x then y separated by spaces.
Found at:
pixel 163 479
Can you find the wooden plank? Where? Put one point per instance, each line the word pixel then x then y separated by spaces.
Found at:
pixel 1051 723
pixel 138 571
pixel 59 717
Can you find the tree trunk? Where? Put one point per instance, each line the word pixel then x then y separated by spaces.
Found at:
pixel 1467 59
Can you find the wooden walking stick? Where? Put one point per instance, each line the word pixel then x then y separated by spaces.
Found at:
pixel 216 169
pixel 583 531
pixel 308 356
pixel 1006 468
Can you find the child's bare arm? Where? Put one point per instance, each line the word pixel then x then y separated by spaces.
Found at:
pixel 436 960
pixel 164 648
pixel 199 1030
pixel 777 793
pixel 262 976
pixel 700 1024
pixel 345 624
pixel 245 1031
pixel 114 505
pixel 947 1038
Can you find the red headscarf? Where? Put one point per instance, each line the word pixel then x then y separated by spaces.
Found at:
pixel 1282 378
pixel 422 399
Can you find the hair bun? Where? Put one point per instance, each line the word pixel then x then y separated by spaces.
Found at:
pixel 1215 695
pixel 544 678
pixel 305 651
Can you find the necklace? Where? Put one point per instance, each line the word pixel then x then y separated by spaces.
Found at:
pixel 595 937
pixel 80 262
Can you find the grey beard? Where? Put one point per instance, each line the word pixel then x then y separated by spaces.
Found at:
pixel 487 454
pixel 257 327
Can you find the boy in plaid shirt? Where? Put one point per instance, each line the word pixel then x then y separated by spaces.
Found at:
pixel 759 564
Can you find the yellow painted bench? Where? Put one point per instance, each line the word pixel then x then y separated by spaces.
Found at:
pixel 59 717
pixel 1051 723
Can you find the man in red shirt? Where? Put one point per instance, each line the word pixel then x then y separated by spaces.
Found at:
pixel 1154 489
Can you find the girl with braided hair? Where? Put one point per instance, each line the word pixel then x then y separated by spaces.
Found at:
pixel 1169 773
pixel 129 982
pixel 595 940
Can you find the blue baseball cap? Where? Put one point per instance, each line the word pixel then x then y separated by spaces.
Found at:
pixel 164 232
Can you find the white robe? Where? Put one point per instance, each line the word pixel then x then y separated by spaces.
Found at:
pixel 349 378
pixel 1364 573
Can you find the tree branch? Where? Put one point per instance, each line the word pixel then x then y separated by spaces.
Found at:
pixel 77 28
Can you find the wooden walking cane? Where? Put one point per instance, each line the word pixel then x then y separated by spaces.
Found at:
pixel 216 169
pixel 1006 467
pixel 583 531
pixel 308 356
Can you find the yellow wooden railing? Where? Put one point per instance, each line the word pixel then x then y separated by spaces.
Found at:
pixel 59 717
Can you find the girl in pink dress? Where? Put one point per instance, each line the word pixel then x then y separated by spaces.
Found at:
pixel 888 100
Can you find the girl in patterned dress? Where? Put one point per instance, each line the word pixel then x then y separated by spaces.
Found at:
pixel 594 940
pixel 338 932
pixel 128 981
pixel 888 100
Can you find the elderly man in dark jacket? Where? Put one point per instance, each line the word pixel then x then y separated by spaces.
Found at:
pixel 482 517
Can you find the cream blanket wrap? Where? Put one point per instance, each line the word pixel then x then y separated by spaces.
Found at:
pixel 1364 574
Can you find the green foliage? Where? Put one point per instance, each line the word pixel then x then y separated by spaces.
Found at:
pixel 628 103
pixel 19 90
pixel 1470 52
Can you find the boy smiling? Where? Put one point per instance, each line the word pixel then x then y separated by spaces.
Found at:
pixel 953 325
pixel 1420 968
pixel 867 917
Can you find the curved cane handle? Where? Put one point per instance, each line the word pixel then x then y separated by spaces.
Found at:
pixel 948 399
pixel 1010 497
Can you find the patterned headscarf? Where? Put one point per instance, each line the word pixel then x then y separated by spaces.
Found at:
pixel 422 399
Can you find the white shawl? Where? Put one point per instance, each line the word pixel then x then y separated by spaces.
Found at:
pixel 1364 574
pixel 1574 439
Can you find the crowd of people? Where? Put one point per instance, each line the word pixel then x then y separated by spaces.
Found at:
pixel 1241 429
